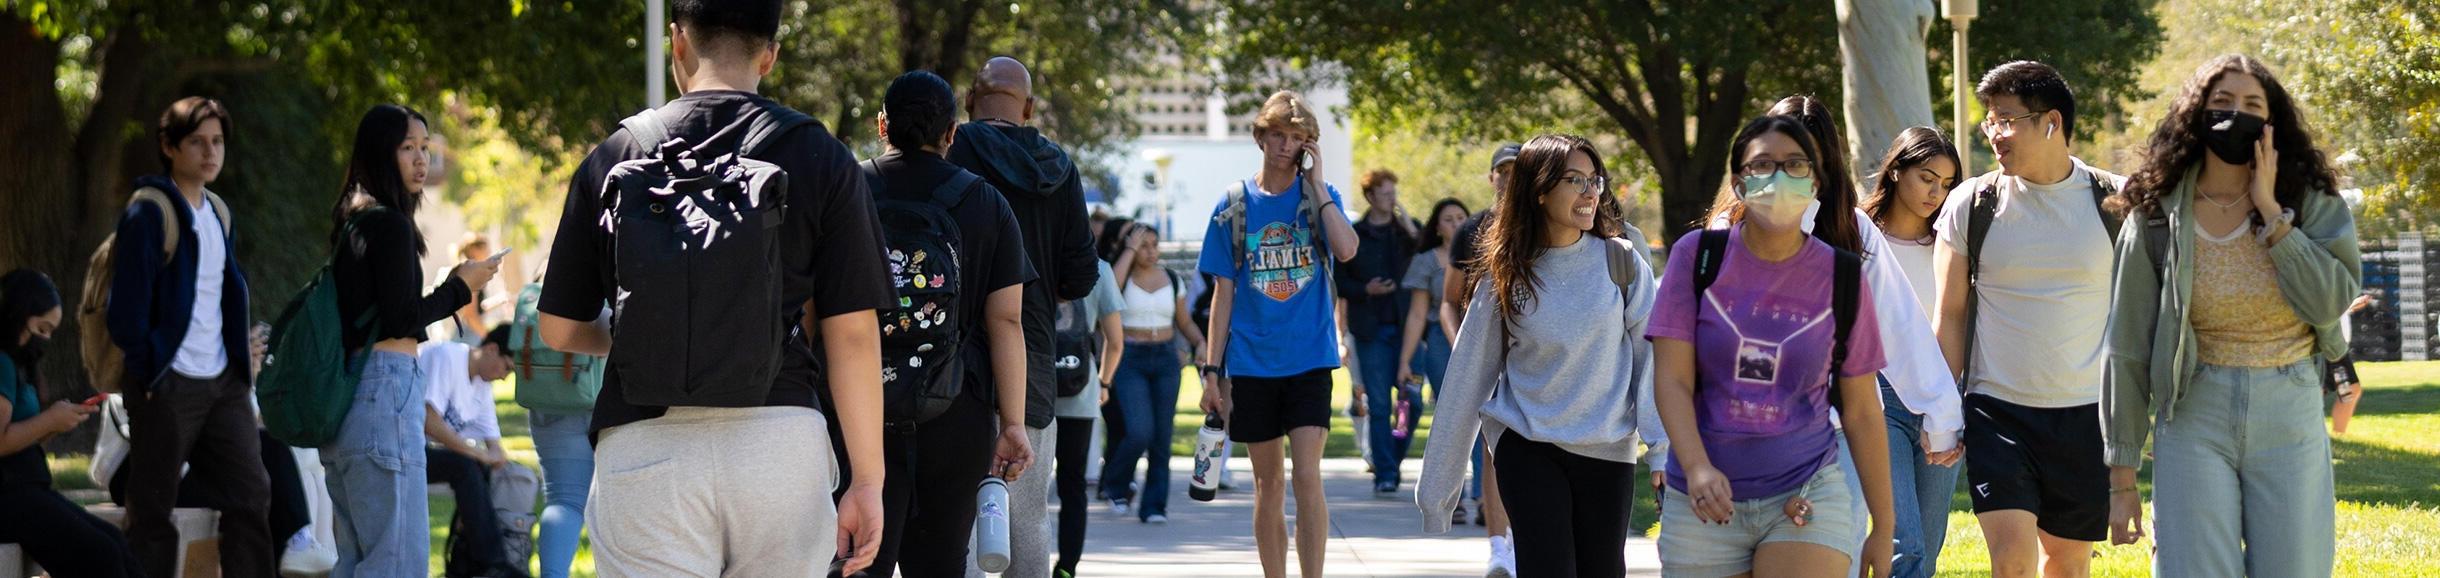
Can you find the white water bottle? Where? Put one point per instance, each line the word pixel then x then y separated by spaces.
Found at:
pixel 1211 456
pixel 991 526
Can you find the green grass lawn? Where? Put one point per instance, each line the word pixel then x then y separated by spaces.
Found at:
pixel 2388 474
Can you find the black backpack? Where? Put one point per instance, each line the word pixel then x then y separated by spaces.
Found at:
pixel 695 230
pixel 1073 348
pixel 1846 280
pixel 921 340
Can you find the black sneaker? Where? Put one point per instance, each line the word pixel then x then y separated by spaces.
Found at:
pixel 1385 490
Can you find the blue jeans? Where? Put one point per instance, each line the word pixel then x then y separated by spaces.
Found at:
pixel 1377 358
pixel 1146 391
pixel 1919 492
pixel 376 473
pixel 2241 476
pixel 567 476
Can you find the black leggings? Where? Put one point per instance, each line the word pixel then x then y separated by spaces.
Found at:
pixel 1568 512
pixel 61 536
pixel 1075 440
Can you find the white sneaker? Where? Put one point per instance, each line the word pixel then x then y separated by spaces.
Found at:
pixel 307 558
pixel 1503 558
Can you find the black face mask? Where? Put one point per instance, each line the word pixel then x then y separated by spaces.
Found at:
pixel 2231 135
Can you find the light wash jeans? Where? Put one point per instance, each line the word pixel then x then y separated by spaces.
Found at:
pixel 376 469
pixel 2241 476
pixel 567 476
pixel 1919 492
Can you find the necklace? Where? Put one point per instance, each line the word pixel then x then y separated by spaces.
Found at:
pixel 2215 201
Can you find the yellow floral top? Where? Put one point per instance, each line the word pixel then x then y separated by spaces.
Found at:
pixel 2240 318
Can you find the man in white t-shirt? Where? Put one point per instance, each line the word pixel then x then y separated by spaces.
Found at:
pixel 2026 330
pixel 463 427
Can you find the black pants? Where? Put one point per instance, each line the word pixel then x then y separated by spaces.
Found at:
pixel 289 512
pixel 1568 512
pixel 1114 426
pixel 61 536
pixel 927 498
pixel 1075 441
pixel 208 426
pixel 474 528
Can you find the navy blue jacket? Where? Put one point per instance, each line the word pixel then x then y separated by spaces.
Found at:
pixel 151 302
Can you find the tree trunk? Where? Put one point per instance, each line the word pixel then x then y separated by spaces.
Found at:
pixel 1887 86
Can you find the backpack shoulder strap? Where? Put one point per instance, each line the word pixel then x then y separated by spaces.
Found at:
pixel 220 208
pixel 1845 289
pixel 2102 189
pixel 1235 213
pixel 1710 253
pixel 953 191
pixel 776 120
pixel 872 178
pixel 1983 209
pixel 646 130
pixel 1622 264
pixel 170 225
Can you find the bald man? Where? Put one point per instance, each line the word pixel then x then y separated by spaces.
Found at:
pixel 1046 192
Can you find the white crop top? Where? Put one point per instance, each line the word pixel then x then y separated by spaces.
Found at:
pixel 1148 309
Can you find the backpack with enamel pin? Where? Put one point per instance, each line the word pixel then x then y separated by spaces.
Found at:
pixel 920 341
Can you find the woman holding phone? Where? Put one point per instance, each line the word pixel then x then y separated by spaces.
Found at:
pixel 55 532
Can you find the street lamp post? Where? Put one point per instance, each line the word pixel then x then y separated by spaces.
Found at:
pixel 1960 13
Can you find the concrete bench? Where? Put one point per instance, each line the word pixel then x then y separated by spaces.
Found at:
pixel 198 537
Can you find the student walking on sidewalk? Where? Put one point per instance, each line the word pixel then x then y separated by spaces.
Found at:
pixel 2235 267
pixel 1557 319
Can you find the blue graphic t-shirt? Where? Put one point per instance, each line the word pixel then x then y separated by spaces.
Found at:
pixel 1281 323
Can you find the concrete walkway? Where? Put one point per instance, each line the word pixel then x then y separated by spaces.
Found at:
pixel 1369 536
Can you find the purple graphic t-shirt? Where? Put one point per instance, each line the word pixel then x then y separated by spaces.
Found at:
pixel 1762 336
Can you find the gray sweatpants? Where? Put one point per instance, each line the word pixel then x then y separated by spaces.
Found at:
pixel 1030 532
pixel 689 493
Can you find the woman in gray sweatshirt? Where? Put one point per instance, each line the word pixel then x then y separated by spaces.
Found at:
pixel 1548 364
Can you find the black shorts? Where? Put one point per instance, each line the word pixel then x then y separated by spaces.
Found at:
pixel 2041 460
pixel 1262 409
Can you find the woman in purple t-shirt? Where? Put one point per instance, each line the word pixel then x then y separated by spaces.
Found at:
pixel 1756 395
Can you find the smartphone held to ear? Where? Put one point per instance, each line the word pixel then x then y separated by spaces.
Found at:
pixel 496 255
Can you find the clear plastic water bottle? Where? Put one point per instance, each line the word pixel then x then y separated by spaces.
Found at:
pixel 991 525
pixel 1211 456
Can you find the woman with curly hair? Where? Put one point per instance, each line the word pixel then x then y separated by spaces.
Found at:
pixel 2235 263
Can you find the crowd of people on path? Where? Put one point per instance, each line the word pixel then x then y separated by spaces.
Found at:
pixel 753 353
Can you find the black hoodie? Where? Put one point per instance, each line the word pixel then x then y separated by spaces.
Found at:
pixel 1046 192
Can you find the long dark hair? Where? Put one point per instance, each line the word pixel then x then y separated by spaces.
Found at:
pixel 1514 240
pixel 1834 183
pixel 1914 147
pixel 24 293
pixel 1795 130
pixel 1431 229
pixel 1113 241
pixel 372 171
pixel 2176 146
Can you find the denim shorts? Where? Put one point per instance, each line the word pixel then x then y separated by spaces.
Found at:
pixel 1691 548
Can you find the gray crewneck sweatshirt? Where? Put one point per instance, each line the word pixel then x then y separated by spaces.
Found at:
pixel 1569 371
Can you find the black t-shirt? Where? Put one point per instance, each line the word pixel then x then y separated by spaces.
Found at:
pixel 1469 236
pixel 831 251
pixel 990 248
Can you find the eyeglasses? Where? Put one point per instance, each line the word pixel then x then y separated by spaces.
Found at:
pixel 1799 168
pixel 1992 124
pixel 1587 186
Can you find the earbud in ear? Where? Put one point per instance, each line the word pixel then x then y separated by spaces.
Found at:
pixel 2047 129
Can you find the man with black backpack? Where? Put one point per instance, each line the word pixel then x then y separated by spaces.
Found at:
pixel 954 350
pixel 708 224
pixel 2025 260
pixel 1046 193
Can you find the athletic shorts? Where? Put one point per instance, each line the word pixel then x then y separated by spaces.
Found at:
pixel 2041 460
pixel 1262 409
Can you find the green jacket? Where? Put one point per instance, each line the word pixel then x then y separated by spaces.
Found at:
pixel 2151 342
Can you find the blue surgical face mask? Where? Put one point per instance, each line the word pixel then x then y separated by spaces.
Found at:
pixel 1777 199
